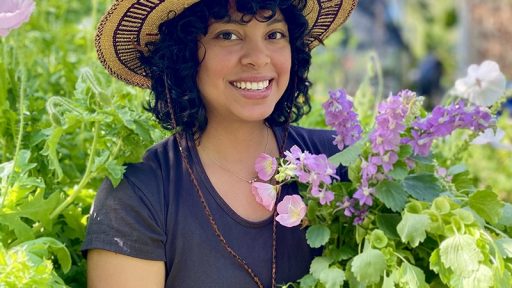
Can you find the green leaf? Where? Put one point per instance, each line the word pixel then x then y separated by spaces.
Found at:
pixel 346 252
pixel 378 239
pixel 392 195
pixel 412 276
pixel 481 278
pixel 437 266
pixel 131 121
pixel 502 278
pixel 400 171
pixel 317 235
pixel 460 253
pixel 35 208
pixel 6 169
pixel 369 266
pixel 22 231
pixel 424 187
pixel 50 150
pixel 387 223
pixel 487 205
pixel 332 277
pixel 405 151
pixel 423 159
pixel 456 169
pixel 412 228
pixel 504 247
pixel 349 155
pixel 115 172
pixel 43 246
pixel 506 216
pixel 308 281
pixel 319 265
pixel 389 282
pixel 463 181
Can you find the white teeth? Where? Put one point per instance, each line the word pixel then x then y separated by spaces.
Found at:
pixel 252 85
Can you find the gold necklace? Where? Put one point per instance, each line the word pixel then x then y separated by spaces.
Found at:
pixel 250 181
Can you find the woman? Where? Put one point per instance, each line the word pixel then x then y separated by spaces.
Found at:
pixel 229 77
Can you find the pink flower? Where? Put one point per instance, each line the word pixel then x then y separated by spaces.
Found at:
pixel 265 194
pixel 265 166
pixel 13 13
pixel 291 211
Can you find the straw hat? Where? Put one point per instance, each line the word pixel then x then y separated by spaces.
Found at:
pixel 130 24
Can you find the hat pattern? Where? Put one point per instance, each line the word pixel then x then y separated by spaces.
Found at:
pixel 129 24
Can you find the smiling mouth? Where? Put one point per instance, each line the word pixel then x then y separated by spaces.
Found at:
pixel 252 86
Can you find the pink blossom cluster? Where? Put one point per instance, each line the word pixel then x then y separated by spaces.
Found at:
pixel 340 115
pixel 443 121
pixel 314 170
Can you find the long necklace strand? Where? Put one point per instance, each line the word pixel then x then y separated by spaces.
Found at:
pixel 181 140
pixel 250 181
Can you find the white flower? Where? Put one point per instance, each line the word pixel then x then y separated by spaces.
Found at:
pixel 489 136
pixel 483 85
pixel 13 13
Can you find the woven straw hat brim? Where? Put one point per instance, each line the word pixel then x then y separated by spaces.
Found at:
pixel 129 24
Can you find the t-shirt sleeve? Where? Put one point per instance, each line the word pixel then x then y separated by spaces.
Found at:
pixel 127 219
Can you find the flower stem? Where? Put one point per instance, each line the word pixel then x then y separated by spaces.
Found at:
pixel 85 179
pixel 20 136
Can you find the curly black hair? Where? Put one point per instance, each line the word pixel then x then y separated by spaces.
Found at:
pixel 173 62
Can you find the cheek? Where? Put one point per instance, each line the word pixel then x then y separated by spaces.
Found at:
pixel 284 64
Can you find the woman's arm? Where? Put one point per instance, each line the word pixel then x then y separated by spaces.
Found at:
pixel 109 269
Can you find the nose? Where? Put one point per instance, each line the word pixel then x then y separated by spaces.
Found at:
pixel 255 54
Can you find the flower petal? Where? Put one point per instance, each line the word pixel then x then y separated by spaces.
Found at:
pixel 265 166
pixel 265 194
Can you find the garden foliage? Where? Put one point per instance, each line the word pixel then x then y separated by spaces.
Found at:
pixel 65 126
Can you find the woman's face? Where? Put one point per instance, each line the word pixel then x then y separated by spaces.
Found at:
pixel 245 69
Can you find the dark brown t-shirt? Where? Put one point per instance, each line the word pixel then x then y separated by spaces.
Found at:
pixel 155 213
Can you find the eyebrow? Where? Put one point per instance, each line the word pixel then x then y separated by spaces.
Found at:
pixel 276 20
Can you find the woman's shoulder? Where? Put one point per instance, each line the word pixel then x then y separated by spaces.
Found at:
pixel 155 163
pixel 314 140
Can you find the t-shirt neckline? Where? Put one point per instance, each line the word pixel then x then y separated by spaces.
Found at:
pixel 207 185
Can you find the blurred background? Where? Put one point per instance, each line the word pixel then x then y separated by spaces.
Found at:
pixel 65 124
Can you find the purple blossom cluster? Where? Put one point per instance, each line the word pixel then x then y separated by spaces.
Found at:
pixel 340 115
pixel 312 169
pixel 385 141
pixel 349 209
pixel 443 121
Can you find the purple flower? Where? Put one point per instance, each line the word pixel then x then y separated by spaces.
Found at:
pixel 389 123
pixel 321 170
pixel 360 216
pixel 443 121
pixel 339 114
pixel 386 161
pixel 369 168
pixel 365 195
pixel 325 196
pixel 348 206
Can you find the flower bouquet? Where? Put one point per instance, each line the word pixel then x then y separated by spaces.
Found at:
pixel 410 216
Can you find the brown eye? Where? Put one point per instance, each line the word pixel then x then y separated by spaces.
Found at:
pixel 227 36
pixel 276 35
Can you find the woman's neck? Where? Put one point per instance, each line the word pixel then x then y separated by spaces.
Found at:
pixel 237 141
